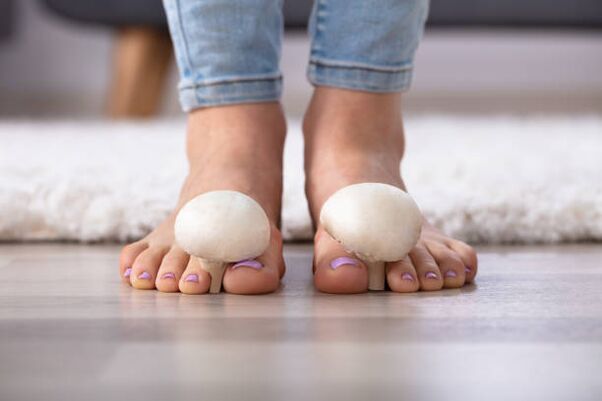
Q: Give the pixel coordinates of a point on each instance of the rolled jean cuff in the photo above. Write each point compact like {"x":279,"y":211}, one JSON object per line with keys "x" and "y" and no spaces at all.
{"x":221,"y":93}
{"x":359,"y":77}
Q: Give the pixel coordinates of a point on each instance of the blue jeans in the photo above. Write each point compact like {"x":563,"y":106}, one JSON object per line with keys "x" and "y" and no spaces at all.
{"x":228,"y":51}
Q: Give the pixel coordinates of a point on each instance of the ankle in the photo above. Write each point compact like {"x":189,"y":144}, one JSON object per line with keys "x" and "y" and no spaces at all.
{"x":244,"y":130}
{"x":356,"y":124}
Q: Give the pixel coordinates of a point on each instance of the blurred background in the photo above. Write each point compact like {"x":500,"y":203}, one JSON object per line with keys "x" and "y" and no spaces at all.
{"x":99,"y":58}
{"x":506,"y":103}
{"x":504,"y":150}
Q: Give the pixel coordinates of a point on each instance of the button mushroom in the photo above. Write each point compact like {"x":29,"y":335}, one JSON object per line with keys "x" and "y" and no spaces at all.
{"x":221,"y":227}
{"x":377,"y":222}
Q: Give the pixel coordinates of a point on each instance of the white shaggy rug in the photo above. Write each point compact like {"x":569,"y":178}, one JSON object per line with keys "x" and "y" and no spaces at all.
{"x":493,"y":179}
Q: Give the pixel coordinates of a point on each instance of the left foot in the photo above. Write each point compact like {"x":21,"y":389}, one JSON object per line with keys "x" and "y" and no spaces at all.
{"x":353,"y":137}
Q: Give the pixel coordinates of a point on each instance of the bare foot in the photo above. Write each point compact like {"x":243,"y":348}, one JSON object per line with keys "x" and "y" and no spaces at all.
{"x":231,"y":147}
{"x":353,"y":137}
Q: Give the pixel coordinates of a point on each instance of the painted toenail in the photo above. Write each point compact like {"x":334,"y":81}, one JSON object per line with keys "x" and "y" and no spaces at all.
{"x":144,"y":276}
{"x":168,"y":275}
{"x":407,"y":276}
{"x":127,"y":272}
{"x":467,"y":270}
{"x":253,"y":264}
{"x":344,"y":260}
{"x":451,"y":274}
{"x":430,"y":275}
{"x":192,"y":278}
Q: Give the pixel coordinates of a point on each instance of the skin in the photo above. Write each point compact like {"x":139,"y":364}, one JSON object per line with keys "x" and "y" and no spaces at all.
{"x":232,"y":147}
{"x":353,"y":137}
{"x":350,"y":137}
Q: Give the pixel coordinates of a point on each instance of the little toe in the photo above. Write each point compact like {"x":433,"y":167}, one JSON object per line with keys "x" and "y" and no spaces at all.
{"x":336,"y":271}
{"x":170,"y":271}
{"x":451,"y":266}
{"x":145,"y":267}
{"x":194,"y":280}
{"x":401,"y":276}
{"x":427,"y":269}
{"x":128,"y":255}
{"x":468,"y":256}
{"x":257,"y":276}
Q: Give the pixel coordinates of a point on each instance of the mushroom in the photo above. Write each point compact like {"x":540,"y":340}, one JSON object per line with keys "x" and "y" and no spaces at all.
{"x":221,"y":227}
{"x":377,"y":222}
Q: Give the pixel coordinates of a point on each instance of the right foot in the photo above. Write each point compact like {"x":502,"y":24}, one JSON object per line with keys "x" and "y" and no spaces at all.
{"x":229,"y":148}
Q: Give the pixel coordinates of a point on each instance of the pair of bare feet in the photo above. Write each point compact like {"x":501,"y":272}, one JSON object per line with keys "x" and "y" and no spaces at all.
{"x":350,"y":137}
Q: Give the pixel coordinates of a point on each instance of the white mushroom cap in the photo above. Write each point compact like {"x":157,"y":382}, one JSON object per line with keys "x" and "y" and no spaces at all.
{"x":377,"y":222}
{"x":225,"y":226}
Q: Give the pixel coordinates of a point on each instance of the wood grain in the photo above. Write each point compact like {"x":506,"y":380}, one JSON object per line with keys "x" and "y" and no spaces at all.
{"x":530,"y":329}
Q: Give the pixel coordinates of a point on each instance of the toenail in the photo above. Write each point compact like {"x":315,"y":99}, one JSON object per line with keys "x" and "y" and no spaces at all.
{"x":407,"y":276}
{"x":144,"y":276}
{"x":192,"y":278}
{"x":451,"y":274}
{"x":127,"y":272}
{"x":168,"y":275}
{"x":430,"y":275}
{"x":467,"y":270}
{"x":344,"y":260}
{"x":253,"y":264}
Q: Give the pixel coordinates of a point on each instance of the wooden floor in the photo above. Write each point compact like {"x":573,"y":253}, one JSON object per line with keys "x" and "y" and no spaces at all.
{"x":530,"y":329}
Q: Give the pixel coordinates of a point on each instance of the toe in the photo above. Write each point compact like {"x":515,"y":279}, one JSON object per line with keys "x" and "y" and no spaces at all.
{"x":128,"y":255}
{"x":257,"y":276}
{"x":145,"y":267}
{"x":194,"y":280}
{"x":427,"y":270}
{"x":170,"y":271}
{"x":450,"y":265}
{"x":401,"y":276}
{"x":468,"y":256}
{"x":337,"y":272}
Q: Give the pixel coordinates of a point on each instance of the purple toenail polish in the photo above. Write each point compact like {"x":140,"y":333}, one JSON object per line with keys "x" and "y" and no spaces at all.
{"x":451,"y":274}
{"x":343,"y":260}
{"x":467,"y":270}
{"x":192,"y":278}
{"x":253,"y":264}
{"x":430,"y":275}
{"x":407,"y":276}
{"x":168,"y":275}
{"x":144,"y":276}
{"x":127,"y":272}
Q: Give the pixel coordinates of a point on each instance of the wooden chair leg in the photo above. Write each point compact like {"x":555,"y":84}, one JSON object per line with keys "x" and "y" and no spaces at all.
{"x":140,"y":64}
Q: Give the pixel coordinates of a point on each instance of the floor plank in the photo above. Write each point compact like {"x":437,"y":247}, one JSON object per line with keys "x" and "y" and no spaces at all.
{"x":530,"y":328}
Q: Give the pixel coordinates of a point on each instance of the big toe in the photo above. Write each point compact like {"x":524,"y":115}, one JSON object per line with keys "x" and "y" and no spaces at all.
{"x":260,"y":275}
{"x":336,"y":271}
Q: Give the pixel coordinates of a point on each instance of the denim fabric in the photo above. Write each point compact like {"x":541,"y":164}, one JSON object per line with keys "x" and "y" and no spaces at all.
{"x":365,"y":45}
{"x":228,"y":51}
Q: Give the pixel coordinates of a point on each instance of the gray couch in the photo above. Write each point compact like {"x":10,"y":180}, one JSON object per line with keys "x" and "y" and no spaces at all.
{"x":516,"y":13}
{"x":6,"y":18}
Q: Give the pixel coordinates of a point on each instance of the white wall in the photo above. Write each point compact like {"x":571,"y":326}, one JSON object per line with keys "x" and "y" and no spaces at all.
{"x":55,"y":67}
